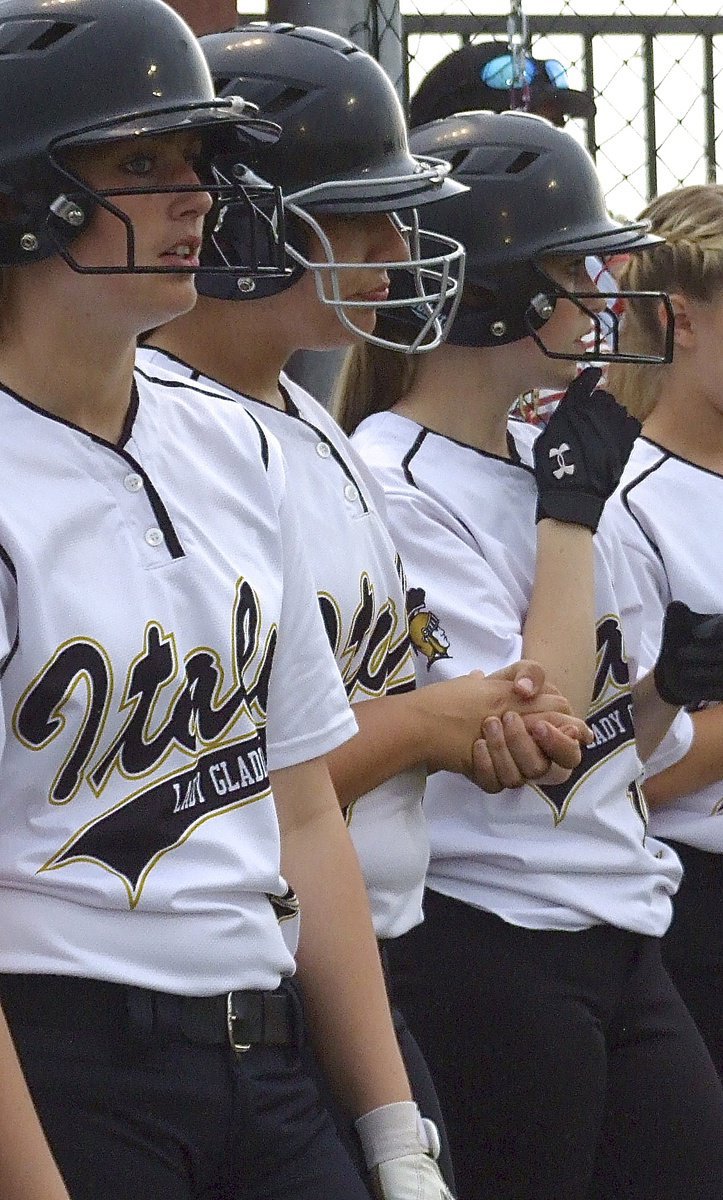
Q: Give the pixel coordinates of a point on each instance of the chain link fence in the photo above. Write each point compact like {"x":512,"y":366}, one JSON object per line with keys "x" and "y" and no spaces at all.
{"x":655,"y":68}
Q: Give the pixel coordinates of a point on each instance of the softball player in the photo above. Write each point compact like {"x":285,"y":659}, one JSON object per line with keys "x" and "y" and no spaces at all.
{"x":671,"y":493}
{"x":163,"y":664}
{"x":321,"y":160}
{"x":562,"y":1053}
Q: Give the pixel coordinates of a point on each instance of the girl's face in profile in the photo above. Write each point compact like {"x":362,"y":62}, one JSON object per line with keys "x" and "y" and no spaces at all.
{"x":569,"y":328}
{"x":164,"y":228}
{"x":367,"y":239}
{"x":160,"y":219}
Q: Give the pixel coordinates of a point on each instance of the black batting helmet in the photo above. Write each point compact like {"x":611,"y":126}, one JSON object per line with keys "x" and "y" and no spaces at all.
{"x":92,"y":72}
{"x":343,"y":149}
{"x":534,"y":193}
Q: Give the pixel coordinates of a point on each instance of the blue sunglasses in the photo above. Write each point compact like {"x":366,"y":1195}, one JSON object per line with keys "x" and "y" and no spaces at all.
{"x":500,"y":72}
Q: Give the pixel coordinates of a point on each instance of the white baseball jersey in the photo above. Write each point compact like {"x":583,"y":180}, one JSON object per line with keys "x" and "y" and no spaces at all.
{"x":668,"y":512}
{"x":550,"y":858}
{"x":357,"y":576}
{"x":159,"y":645}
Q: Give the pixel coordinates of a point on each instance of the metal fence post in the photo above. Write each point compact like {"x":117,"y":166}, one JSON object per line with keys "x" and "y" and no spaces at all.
{"x":386,"y":41}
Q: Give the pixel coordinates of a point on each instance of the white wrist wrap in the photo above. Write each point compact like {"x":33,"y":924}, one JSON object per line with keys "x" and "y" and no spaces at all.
{"x":395,"y":1130}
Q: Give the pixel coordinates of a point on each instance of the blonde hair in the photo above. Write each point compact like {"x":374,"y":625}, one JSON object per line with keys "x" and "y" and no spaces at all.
{"x":372,"y":380}
{"x":690,"y":261}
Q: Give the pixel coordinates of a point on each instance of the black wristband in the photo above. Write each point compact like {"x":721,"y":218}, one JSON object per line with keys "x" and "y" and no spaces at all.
{"x":574,"y":508}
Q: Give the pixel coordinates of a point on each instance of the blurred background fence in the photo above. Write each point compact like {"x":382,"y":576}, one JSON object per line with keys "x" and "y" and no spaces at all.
{"x":654,"y":67}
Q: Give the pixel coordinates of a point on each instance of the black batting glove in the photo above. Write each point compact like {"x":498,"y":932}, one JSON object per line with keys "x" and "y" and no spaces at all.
{"x":580,"y":456}
{"x":689,"y":669}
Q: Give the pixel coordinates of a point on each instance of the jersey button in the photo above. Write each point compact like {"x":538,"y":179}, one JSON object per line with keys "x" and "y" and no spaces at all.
{"x":323,"y":449}
{"x":351,"y":493}
{"x":154,"y":537}
{"x":133,"y":483}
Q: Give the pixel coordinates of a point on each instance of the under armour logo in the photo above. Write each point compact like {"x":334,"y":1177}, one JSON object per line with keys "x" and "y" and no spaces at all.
{"x":563,"y":468}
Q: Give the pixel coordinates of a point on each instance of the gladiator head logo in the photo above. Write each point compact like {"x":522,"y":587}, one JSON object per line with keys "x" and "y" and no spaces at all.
{"x":425,"y":632}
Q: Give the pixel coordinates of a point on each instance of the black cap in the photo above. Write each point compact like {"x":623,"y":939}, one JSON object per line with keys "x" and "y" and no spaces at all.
{"x":456,"y":85}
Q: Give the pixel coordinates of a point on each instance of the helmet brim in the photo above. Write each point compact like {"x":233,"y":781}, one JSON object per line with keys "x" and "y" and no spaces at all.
{"x":410,"y":182}
{"x":220,"y":114}
{"x":618,"y":239}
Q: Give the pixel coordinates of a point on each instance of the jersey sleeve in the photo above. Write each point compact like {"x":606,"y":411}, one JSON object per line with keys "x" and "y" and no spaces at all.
{"x":308,"y":712}
{"x":444,"y":605}
{"x":644,"y":596}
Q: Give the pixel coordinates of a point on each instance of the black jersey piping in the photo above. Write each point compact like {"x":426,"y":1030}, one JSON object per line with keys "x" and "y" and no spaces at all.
{"x":207,"y":391}
{"x":166,"y":354}
{"x":290,"y":410}
{"x":11,"y":653}
{"x":630,"y":487}
{"x":291,"y":407}
{"x":173,"y":544}
{"x":160,"y":512}
{"x":131,"y":414}
{"x":294,"y":413}
{"x":262,"y":438}
{"x":126,"y":431}
{"x":514,"y":460}
{"x":196,"y":376}
{"x":5,"y":557}
{"x":411,"y":453}
{"x":624,"y":499}
{"x":407,"y":469}
{"x":679,"y":458}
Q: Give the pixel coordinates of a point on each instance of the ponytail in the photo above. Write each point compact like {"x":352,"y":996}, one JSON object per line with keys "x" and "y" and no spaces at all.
{"x":372,"y":380}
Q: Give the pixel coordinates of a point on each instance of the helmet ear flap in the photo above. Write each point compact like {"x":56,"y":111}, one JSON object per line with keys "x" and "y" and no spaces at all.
{"x":505,"y":308}
{"x":237,"y":235}
{"x":18,"y":219}
{"x":44,"y":221}
{"x":298,"y":235}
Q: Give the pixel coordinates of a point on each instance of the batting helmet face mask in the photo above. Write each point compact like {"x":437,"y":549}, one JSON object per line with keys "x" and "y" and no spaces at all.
{"x":343,"y":150}
{"x":154,"y":81}
{"x":534,"y":196}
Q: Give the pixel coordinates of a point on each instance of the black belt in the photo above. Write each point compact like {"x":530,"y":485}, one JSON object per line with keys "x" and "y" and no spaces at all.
{"x":238,"y":1019}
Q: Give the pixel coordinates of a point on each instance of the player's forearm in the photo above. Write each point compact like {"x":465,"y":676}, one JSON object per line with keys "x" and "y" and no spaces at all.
{"x":559,"y":630}
{"x":345,"y":998}
{"x":651,"y":715}
{"x":700,"y":767}
{"x":27,"y":1169}
{"x":426,"y":729}
{"x":388,"y":743}
{"x":433,"y":728}
{"x":339,"y":971}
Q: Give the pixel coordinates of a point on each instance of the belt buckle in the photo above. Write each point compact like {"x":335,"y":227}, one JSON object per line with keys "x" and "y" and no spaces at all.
{"x":232,"y":1017}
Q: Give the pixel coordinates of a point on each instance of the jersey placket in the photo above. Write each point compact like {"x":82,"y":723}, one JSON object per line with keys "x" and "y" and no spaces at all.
{"x":144,"y":512}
